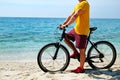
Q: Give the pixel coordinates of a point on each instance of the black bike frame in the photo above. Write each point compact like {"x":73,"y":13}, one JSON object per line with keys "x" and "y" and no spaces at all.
{"x":88,"y":40}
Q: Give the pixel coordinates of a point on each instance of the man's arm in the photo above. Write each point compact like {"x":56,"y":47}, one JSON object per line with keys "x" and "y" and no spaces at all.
{"x":72,"y":18}
{"x":66,"y":21}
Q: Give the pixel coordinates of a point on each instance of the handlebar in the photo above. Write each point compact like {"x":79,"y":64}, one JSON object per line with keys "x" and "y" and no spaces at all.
{"x":63,"y":32}
{"x":61,"y":28}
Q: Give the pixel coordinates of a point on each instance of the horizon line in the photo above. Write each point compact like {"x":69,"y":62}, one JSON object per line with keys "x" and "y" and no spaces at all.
{"x":52,"y":17}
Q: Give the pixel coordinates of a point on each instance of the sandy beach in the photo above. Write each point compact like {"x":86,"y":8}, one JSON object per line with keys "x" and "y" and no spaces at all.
{"x":17,"y":70}
{"x":22,"y":37}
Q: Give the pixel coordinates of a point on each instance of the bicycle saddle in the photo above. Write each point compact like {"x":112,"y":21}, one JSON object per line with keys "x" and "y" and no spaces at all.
{"x":93,"y":28}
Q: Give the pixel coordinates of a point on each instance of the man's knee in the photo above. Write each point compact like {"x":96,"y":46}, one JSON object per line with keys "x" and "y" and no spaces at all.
{"x":82,"y":51}
{"x":65,"y":40}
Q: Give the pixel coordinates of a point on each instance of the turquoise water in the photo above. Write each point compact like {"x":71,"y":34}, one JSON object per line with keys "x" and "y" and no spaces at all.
{"x":22,"y":38}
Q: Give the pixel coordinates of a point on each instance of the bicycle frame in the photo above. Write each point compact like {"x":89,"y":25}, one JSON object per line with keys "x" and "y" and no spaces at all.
{"x":88,"y":40}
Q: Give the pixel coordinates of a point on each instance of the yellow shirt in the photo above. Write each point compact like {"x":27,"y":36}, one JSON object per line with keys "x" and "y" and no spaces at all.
{"x":82,"y":21}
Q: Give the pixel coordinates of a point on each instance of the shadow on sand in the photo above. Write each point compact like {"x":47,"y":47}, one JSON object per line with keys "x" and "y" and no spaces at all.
{"x":107,"y":72}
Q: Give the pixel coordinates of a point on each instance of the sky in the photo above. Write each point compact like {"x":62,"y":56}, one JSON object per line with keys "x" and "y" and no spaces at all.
{"x":57,"y":8}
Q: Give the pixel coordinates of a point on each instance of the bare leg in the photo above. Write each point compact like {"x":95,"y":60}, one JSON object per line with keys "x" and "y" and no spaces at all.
{"x":82,"y":58}
{"x":70,"y":44}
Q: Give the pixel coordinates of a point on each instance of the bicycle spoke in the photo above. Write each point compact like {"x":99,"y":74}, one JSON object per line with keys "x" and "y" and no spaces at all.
{"x":50,"y":55}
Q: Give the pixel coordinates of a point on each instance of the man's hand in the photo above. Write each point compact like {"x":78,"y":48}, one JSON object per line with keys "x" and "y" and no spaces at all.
{"x":62,"y":26}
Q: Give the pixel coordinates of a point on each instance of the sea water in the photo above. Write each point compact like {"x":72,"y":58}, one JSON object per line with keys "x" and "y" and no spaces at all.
{"x":21,"y":38}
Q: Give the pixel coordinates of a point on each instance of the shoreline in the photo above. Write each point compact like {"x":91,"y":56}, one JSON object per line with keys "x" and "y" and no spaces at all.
{"x":50,"y":17}
{"x":27,"y":70}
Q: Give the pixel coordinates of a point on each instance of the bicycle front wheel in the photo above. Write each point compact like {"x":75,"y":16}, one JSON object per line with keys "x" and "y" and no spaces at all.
{"x":104,"y":57}
{"x":46,"y":61}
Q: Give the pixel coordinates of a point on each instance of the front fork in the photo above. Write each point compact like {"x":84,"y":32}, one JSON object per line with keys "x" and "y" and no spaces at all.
{"x":57,"y":49}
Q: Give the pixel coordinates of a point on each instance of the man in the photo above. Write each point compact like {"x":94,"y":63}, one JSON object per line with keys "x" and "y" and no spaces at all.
{"x":79,"y":33}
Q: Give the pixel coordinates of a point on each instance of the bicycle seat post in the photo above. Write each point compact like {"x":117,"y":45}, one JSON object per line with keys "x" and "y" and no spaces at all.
{"x":89,"y":35}
{"x":91,"y":31}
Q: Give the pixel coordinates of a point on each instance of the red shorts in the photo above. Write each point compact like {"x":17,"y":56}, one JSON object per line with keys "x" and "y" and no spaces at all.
{"x":81,"y":40}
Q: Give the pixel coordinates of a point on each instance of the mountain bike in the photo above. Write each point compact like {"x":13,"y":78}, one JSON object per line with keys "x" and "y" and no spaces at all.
{"x":55,"y":56}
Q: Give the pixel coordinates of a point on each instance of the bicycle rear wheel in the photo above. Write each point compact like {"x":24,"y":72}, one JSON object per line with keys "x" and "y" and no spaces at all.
{"x":46,"y":61}
{"x":104,"y":59}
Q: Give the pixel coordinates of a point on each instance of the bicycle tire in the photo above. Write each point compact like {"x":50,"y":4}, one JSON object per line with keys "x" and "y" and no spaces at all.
{"x":49,"y":50}
{"x":106,"y":47}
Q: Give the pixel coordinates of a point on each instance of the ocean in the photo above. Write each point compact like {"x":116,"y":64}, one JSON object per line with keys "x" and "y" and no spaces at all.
{"x":21,"y":38}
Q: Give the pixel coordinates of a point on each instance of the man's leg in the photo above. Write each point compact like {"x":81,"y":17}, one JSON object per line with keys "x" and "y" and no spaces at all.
{"x":81,"y":44}
{"x":80,"y":69}
{"x":82,"y":49}
{"x":70,"y":44}
{"x":82,"y":58}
